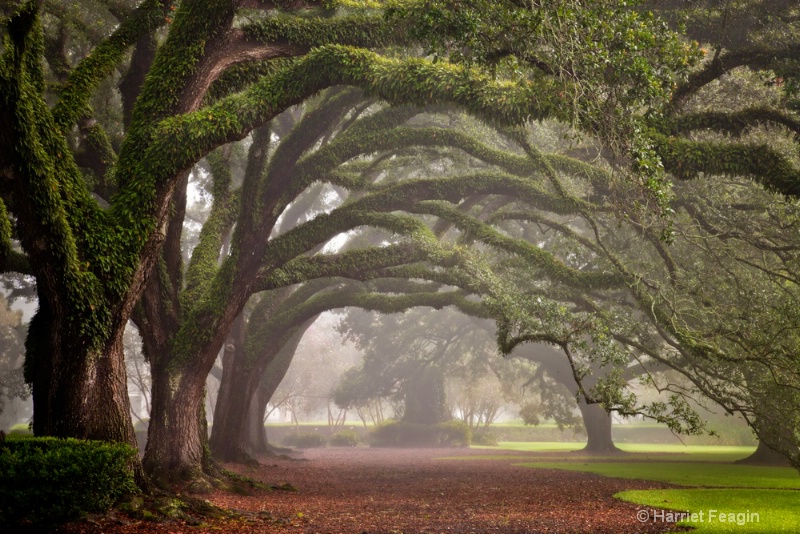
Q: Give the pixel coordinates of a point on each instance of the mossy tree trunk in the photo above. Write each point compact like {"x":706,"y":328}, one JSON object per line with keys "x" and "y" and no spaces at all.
{"x":232,"y":403}
{"x":263,"y":360}
{"x":257,"y":438}
{"x":85,"y":287}
{"x":79,"y":396}
{"x":177,"y":440}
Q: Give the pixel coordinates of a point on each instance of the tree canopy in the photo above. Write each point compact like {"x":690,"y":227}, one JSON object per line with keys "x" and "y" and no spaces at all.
{"x":659,"y":231}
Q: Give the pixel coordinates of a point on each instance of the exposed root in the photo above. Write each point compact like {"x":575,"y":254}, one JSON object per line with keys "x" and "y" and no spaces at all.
{"x":165,"y":507}
{"x":277,"y":451}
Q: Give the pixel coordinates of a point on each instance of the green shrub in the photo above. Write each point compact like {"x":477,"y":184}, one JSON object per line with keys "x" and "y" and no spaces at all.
{"x":455,"y":434}
{"x":345,"y":438}
{"x":305,"y":440}
{"x":484,"y":436}
{"x":401,"y":434}
{"x":49,"y":480}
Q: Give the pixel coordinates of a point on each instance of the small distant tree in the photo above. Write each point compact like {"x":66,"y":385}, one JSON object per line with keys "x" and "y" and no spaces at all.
{"x":412,"y":357}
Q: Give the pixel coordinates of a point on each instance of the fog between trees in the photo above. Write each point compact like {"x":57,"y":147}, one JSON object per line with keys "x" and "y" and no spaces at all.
{"x":612,"y":200}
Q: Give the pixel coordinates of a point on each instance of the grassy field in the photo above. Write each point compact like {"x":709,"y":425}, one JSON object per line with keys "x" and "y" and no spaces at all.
{"x":727,"y":511}
{"x":645,"y":451}
{"x":722,"y":497}
{"x":533,"y":446}
{"x":687,"y":473}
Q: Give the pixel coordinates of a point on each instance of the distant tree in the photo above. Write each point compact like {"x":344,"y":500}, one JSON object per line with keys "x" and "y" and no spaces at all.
{"x":412,"y":356}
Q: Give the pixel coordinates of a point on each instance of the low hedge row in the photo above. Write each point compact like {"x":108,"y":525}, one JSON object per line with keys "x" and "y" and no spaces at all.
{"x":305,"y":440}
{"x":315,"y":439}
{"x":401,"y":434}
{"x":345,"y":438}
{"x":48,"y":480}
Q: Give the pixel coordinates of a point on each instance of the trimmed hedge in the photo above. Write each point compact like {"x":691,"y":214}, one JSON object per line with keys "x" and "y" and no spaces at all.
{"x":401,"y":434}
{"x":346,"y":438}
{"x":48,"y":480}
{"x":305,"y":440}
{"x":484,"y":436}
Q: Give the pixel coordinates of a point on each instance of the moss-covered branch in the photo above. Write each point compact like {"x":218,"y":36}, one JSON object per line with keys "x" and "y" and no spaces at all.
{"x":276,"y":190}
{"x":735,"y":122}
{"x":372,"y":210}
{"x":757,"y":58}
{"x":102,"y":61}
{"x":225,"y":208}
{"x":48,"y":196}
{"x":358,"y":264}
{"x":554,"y":269}
{"x":362,"y":30}
{"x":180,"y":141}
{"x":687,"y":159}
{"x":453,"y":276}
{"x":362,"y":298}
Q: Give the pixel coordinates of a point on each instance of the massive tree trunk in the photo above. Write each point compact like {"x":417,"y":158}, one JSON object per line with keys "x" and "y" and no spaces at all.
{"x":596,"y":420}
{"x":176,"y":450}
{"x":270,"y":380}
{"x":256,"y":438}
{"x":232,"y":384}
{"x":598,"y":429}
{"x":76,"y":394}
{"x":241,"y":378}
{"x":765,"y":455}
{"x":177,"y":435}
{"x":233,"y":400}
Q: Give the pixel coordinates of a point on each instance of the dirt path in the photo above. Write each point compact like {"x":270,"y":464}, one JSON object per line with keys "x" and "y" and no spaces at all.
{"x":399,"y":490}
{"x":413,"y":491}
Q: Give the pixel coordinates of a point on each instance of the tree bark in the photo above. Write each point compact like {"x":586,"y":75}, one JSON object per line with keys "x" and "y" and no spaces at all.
{"x":256,"y":433}
{"x":88,"y":397}
{"x":598,"y":429}
{"x":765,"y":455}
{"x":233,"y":421}
{"x":177,"y":435}
{"x":232,"y":400}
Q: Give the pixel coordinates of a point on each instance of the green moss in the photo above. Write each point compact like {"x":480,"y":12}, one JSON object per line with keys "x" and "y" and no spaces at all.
{"x":56,"y":203}
{"x":688,"y":159}
{"x":224,"y":210}
{"x":363,"y":30}
{"x":182,"y":140}
{"x":101,"y":62}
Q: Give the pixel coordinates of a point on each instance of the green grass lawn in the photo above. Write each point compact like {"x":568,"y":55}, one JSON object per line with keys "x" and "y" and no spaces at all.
{"x":687,"y":473}
{"x":533,"y":446}
{"x":756,"y":511}
{"x":647,"y":451}
{"x":765,"y":499}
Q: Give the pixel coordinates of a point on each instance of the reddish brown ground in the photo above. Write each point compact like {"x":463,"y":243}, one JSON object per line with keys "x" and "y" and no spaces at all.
{"x":405,"y":491}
